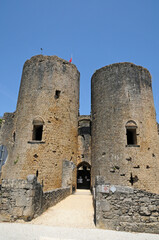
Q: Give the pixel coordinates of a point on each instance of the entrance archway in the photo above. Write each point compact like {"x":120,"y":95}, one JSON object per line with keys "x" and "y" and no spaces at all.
{"x":83,"y":175}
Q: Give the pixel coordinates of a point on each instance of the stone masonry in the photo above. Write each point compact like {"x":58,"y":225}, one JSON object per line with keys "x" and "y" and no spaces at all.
{"x":125,"y":208}
{"x":25,"y":199}
{"x":7,"y":131}
{"x":84,"y":139}
{"x":118,"y":144}
{"x":48,"y":96}
{"x":67,"y":174}
{"x":125,"y":141}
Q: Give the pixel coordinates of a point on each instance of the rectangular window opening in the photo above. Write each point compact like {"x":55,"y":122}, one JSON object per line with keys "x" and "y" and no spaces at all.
{"x":57,"y":94}
{"x":37,"y":132}
{"x":131,"y":136}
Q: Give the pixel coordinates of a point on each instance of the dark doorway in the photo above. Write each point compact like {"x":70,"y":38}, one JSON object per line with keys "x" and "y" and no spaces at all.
{"x":83,"y":176}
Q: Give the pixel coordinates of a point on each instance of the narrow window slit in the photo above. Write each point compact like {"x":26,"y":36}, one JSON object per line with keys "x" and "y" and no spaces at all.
{"x":14,"y":136}
{"x":57,"y":94}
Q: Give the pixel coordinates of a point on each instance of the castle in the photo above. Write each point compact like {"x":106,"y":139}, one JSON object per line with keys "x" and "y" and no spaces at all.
{"x":45,"y":136}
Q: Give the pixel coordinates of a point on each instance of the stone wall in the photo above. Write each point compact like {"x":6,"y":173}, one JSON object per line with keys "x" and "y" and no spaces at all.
{"x":50,"y":198}
{"x":7,"y":137}
{"x":17,"y":199}
{"x":67,"y":173}
{"x":84,"y":139}
{"x":122,"y":102}
{"x":125,"y":208}
{"x":49,"y":93}
{"x":25,"y":199}
{"x":7,"y":130}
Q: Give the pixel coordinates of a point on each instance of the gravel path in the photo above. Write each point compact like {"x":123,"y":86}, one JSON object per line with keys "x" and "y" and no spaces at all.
{"x":76,"y":211}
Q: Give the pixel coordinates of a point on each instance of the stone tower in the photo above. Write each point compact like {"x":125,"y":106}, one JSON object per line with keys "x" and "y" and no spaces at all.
{"x":45,"y":126}
{"x":125,"y":141}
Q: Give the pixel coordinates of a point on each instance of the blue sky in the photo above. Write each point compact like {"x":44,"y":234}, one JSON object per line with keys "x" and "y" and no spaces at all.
{"x":95,"y":32}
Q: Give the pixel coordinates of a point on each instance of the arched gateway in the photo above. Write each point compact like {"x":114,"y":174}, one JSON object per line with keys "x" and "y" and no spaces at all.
{"x":83,"y":175}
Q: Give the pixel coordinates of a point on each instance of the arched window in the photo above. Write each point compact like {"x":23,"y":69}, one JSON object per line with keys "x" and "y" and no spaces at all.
{"x":37,"y":129}
{"x":131,"y":127}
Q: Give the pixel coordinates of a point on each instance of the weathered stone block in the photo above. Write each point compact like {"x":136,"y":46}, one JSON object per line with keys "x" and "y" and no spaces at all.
{"x":105,"y":206}
{"x":31,"y":178}
{"x":17,"y":212}
{"x":144,"y":211}
{"x":152,"y":208}
{"x":125,"y":219}
{"x":28,"y":212}
{"x":155,"y":214}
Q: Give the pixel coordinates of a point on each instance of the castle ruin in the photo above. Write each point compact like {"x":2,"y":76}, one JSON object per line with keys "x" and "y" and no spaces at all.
{"x":118,"y":145}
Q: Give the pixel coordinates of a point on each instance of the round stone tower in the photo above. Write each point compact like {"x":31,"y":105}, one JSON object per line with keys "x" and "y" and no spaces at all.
{"x":125,"y":141}
{"x":46,"y":121}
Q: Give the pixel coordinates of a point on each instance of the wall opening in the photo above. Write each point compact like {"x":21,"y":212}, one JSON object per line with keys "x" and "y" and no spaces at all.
{"x":132,"y":179}
{"x":37,"y":132}
{"x":57,"y":94}
{"x":131,"y":136}
{"x":131,"y":128}
{"x":14,"y":136}
{"x":83,"y":175}
{"x":37,"y":129}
